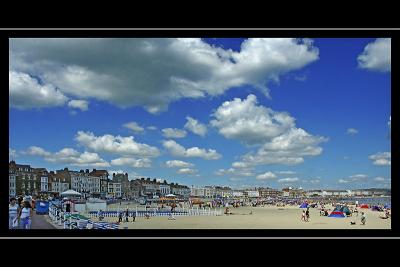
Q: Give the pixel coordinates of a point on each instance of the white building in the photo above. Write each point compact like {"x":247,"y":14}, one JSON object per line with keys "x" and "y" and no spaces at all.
{"x":44,"y":183}
{"x":85,"y":184}
{"x":236,"y":193}
{"x":12,"y":190}
{"x":114,"y":190}
{"x":253,"y":193}
{"x":197,"y":191}
{"x":165,"y":189}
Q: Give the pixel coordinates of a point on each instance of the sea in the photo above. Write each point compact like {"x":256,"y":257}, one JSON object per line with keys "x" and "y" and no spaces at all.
{"x":370,"y":201}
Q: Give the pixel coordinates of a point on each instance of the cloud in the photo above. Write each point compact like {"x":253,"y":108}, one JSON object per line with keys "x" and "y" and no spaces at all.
{"x":134,"y":126}
{"x":352,"y":131}
{"x":132,"y":162}
{"x":356,"y":178}
{"x":36,"y":151}
{"x":248,"y":122}
{"x":390,"y":122}
{"x":195,"y":126}
{"x":237,"y":172}
{"x":381,"y":158}
{"x":186,"y":171}
{"x":178,"y":164}
{"x":252,"y":124}
{"x":152,"y":128}
{"x":168,"y":68}
{"x":68,"y":156}
{"x":173,"y":133}
{"x":288,"y":180}
{"x":177,"y":150}
{"x":266,"y":176}
{"x":119,"y":145}
{"x":26,"y":92}
{"x":289,"y":148}
{"x":376,"y":56}
{"x":12,"y":153}
{"x":83,"y":105}
{"x":379,"y":179}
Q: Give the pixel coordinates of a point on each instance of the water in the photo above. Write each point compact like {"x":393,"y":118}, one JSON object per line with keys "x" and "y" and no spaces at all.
{"x":370,"y":201}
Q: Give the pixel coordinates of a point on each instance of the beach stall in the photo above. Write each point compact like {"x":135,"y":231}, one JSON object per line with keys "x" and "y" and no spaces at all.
{"x":337,"y":214}
{"x":364,"y":206}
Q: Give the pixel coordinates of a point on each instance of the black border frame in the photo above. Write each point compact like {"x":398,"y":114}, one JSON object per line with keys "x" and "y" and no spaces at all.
{"x":207,"y":32}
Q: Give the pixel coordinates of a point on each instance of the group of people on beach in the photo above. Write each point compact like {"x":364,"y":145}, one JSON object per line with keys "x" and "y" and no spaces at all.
{"x":305,"y":216}
{"x":20,"y":213}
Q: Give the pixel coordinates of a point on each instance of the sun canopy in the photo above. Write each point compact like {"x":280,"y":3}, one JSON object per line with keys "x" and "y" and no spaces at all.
{"x":70,"y":193}
{"x":304,"y":205}
{"x":170,"y":195}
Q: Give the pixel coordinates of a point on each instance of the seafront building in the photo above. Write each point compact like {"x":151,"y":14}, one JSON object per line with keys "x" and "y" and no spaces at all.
{"x":26,"y":180}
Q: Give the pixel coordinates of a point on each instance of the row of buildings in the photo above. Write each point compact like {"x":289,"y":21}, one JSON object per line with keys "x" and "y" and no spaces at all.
{"x":26,"y":180}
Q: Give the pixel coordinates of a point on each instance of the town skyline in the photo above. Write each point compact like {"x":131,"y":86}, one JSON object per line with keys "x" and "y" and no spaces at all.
{"x":222,"y":111}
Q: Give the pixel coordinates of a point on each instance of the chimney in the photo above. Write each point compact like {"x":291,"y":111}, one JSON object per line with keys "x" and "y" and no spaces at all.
{"x":113,"y":175}
{"x":66,"y":169}
{"x":87,"y":170}
{"x":94,"y":170}
{"x":81,"y":171}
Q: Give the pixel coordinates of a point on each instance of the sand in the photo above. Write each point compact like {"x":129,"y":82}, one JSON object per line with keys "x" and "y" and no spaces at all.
{"x":268,"y":217}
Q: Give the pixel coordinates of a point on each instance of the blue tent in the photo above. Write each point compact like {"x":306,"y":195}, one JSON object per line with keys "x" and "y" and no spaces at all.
{"x":303,"y":206}
{"x":337,"y":214}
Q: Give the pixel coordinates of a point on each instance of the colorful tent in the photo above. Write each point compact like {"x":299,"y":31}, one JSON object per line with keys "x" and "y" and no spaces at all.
{"x":345,"y":210}
{"x":376,"y":208}
{"x":303,"y":206}
{"x":364,"y":206}
{"x":337,"y":214}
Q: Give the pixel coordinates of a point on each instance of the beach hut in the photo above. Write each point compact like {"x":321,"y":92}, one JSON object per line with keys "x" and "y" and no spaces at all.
{"x":364,"y":206}
{"x":304,"y":205}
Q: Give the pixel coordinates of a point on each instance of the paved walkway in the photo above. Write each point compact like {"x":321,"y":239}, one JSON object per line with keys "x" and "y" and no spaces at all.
{"x":40,"y":222}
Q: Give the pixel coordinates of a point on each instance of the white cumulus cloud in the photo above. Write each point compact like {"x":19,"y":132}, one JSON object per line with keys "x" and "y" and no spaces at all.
{"x":288,"y":180}
{"x":134,"y":126}
{"x":83,"y":105}
{"x":266,"y":176}
{"x":178,"y":164}
{"x":108,"y":143}
{"x":195,"y":126}
{"x":381,"y":158}
{"x":177,"y":150}
{"x":173,"y":133}
{"x":132,"y":162}
{"x":186,"y":171}
{"x":26,"y":92}
{"x":167,"y":68}
{"x":376,"y":56}
{"x":352,"y":131}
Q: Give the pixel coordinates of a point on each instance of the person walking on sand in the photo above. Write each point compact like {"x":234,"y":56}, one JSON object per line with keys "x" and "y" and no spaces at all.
{"x":133,"y":216}
{"x":303,"y":216}
{"x":13,"y":210}
{"x":363,"y":218}
{"x":120,"y":217}
{"x":127,"y":215}
{"x":308,"y":214}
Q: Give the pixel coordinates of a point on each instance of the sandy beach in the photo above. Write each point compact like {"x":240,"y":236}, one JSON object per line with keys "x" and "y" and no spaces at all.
{"x":267,"y":217}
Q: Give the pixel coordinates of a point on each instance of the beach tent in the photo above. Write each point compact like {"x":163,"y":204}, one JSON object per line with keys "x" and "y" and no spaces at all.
{"x":345,"y":210}
{"x":387,"y":206}
{"x":303,"y":206}
{"x":376,"y":208}
{"x":337,"y":214}
{"x":364,"y":206}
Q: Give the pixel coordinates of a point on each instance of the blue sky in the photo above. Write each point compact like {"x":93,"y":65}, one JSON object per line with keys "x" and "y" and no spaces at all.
{"x":303,"y":95}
